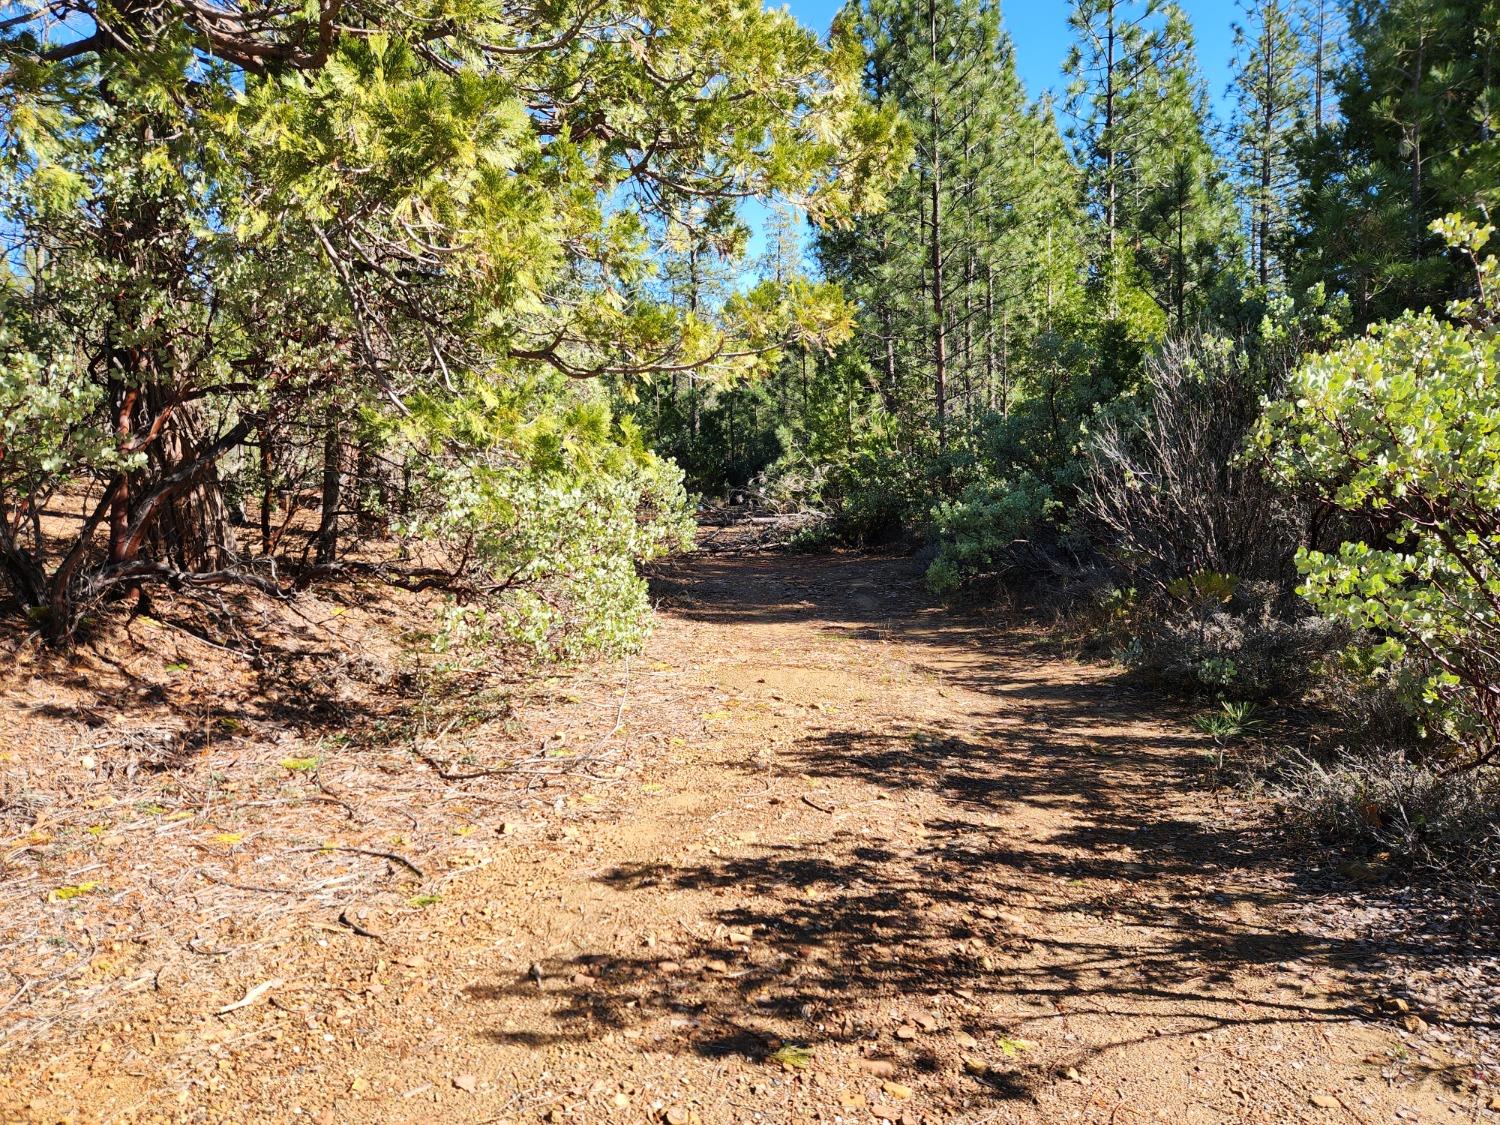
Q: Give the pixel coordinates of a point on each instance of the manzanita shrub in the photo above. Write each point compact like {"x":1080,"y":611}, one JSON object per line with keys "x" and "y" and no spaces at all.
{"x":1402,"y":427}
{"x":543,"y":509}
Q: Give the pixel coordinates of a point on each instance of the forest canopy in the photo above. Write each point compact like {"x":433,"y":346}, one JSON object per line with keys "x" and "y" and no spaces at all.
{"x":250,"y":245}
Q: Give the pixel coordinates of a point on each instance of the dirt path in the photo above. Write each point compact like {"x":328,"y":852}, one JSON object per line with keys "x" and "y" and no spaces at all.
{"x":968,"y":879}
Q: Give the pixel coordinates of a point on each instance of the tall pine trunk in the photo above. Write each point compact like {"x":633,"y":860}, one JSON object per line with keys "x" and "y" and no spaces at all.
{"x":939,"y":327}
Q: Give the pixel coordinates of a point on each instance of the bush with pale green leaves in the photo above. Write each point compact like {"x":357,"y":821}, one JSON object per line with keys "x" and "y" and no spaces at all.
{"x":1401,"y":428}
{"x":545,"y":508}
{"x":50,"y":430}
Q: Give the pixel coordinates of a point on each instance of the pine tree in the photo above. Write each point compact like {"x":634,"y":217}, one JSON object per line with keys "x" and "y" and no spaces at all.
{"x":1115,"y":43}
{"x":1270,"y":80}
{"x":1152,"y":181}
{"x":1417,"y":139}
{"x":929,"y":303}
{"x":1035,"y":263}
{"x":1186,"y":244}
{"x":1323,"y":28}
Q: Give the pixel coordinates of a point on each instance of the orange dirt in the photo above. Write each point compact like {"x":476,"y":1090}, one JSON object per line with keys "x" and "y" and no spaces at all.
{"x":863,"y":861}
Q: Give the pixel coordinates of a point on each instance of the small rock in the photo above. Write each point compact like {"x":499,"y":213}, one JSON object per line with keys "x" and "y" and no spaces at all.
{"x":880,"y":1068}
{"x":897,"y":1090}
{"x":1326,"y":1101}
{"x":466,"y":1082}
{"x":906,"y":1031}
{"x":885,"y":1112}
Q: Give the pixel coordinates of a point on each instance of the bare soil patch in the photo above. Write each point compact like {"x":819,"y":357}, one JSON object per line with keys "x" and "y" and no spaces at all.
{"x":824,"y":853}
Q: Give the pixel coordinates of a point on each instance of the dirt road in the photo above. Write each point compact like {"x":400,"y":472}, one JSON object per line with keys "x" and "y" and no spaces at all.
{"x":878,"y":864}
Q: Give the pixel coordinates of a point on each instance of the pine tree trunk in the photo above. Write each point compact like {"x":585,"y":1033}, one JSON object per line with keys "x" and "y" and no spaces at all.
{"x":1268,"y":141}
{"x":1318,"y":64}
{"x":1416,"y":137}
{"x":939,"y":328}
{"x":1111,"y":219}
{"x":989,"y":337}
{"x":889,"y":340}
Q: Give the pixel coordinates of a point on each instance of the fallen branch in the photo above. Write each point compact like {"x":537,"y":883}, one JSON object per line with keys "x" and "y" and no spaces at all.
{"x":345,"y":920}
{"x":251,"y":997}
{"x":392,"y":856}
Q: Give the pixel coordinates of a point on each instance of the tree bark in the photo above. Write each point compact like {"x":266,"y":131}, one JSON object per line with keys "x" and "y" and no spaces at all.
{"x":333,"y":478}
{"x":192,"y":527}
{"x":939,"y":327}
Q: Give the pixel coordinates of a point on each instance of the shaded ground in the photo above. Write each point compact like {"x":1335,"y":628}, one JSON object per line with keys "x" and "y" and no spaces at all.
{"x":870,"y":862}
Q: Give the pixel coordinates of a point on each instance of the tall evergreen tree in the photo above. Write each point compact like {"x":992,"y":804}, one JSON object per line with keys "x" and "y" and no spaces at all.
{"x":1141,"y":135}
{"x":1185,"y":221}
{"x":1270,"y":80}
{"x":1418,"y":98}
{"x":1110,"y":63}
{"x":930,"y":303}
{"x":1323,"y":27}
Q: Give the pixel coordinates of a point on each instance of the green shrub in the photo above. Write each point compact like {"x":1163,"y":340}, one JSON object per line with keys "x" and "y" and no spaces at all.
{"x":975,"y":531}
{"x":545,"y":518}
{"x":1402,"y":428}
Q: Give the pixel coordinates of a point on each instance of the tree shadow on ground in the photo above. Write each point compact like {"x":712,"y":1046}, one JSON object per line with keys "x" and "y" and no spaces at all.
{"x":1137,"y":905}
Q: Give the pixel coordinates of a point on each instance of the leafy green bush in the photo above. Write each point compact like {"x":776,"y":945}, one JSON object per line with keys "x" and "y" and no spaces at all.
{"x":869,"y":487}
{"x":1402,"y":427}
{"x":976,"y":530}
{"x":547,"y":519}
{"x":51,"y":429}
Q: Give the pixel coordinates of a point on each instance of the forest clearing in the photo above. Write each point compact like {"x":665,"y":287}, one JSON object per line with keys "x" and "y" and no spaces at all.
{"x":696,"y":561}
{"x":820,"y":815}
